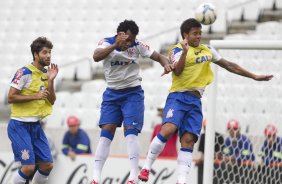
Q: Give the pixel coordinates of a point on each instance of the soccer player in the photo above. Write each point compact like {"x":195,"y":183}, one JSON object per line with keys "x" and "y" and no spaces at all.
{"x":183,"y":109}
{"x":123,"y":100}
{"x":32,"y":96}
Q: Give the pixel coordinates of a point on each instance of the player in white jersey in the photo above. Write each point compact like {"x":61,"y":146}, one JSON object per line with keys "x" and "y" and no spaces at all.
{"x":123,"y":100}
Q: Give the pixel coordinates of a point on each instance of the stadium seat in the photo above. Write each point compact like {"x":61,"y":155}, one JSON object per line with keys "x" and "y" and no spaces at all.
{"x":90,"y":118}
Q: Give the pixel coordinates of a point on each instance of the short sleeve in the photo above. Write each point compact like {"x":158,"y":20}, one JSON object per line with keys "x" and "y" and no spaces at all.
{"x":215,"y":55}
{"x":144,"y":49}
{"x":19,"y":79}
{"x":103,"y":44}
{"x":175,"y":55}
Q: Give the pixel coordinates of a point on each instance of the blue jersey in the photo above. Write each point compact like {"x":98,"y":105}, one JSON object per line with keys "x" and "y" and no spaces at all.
{"x":272,"y":153}
{"x":79,"y":143}
{"x":240,"y":148}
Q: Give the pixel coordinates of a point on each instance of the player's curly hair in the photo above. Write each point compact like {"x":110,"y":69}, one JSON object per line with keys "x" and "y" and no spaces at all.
{"x":128,"y":25}
{"x":38,"y":44}
{"x":187,"y":25}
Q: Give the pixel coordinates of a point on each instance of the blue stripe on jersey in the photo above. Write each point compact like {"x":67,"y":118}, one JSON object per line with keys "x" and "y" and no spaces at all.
{"x":176,"y":50}
{"x":21,"y":72}
{"x":110,"y":40}
{"x":26,"y":71}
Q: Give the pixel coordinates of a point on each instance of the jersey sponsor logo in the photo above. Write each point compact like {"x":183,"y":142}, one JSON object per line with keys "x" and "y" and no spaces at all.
{"x":196,"y":53}
{"x":134,"y":123}
{"x":18,"y":76}
{"x":42,"y":79}
{"x":202,"y":59}
{"x":25,"y":154}
{"x":122,"y":63}
{"x":169,"y":113}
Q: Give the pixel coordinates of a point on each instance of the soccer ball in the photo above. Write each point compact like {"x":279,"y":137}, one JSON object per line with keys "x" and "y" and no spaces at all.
{"x":206,"y":13}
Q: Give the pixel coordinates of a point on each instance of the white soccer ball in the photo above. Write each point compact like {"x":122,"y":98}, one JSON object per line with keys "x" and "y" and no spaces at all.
{"x":206,"y":13}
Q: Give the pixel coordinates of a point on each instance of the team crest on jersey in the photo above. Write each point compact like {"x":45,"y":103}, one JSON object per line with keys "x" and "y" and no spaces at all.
{"x":25,"y":154}
{"x":130,"y":52}
{"x":169,"y":113}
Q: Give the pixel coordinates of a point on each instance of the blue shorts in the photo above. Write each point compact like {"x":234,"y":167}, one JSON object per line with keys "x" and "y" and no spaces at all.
{"x":185,"y":111}
{"x":124,"y":106}
{"x":29,"y":142}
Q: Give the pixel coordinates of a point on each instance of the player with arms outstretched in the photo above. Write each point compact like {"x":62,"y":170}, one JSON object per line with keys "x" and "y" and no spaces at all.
{"x":123,"y":100}
{"x":183,"y":109}
{"x":32,"y":95}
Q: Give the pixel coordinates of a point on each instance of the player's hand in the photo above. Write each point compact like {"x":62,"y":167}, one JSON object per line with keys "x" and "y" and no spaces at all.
{"x":185,"y":45}
{"x":42,"y":95}
{"x":263,"y":77}
{"x":52,"y":71}
{"x":168,"y":68}
{"x":72,"y":155}
{"x":120,"y":39}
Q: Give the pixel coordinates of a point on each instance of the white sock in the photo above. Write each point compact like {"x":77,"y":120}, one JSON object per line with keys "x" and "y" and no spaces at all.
{"x":184,"y":161}
{"x":101,"y":155}
{"x":156,"y":147}
{"x":20,"y":178}
{"x":133,"y":155}
{"x":40,"y":178}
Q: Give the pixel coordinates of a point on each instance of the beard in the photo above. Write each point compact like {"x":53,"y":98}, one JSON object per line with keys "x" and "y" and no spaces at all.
{"x":43,"y":63}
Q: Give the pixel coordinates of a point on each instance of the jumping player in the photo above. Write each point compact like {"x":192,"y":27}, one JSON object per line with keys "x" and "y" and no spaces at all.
{"x":123,"y":100}
{"x":183,"y":109}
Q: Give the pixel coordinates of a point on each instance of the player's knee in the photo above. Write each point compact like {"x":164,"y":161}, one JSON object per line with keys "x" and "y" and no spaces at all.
{"x":28,"y":169}
{"x":46,"y":167}
{"x":188,"y":140}
{"x":167,"y":130}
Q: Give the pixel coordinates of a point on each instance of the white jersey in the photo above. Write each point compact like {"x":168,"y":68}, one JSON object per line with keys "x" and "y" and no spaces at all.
{"x":122,"y":67}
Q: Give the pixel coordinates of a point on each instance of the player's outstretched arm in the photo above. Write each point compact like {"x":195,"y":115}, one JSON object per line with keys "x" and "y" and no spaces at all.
{"x":235,"y":68}
{"x":163,"y":61}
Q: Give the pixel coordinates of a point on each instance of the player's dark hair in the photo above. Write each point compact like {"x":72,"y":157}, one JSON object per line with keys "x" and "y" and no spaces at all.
{"x":187,"y":25}
{"x":38,"y":44}
{"x":128,"y":25}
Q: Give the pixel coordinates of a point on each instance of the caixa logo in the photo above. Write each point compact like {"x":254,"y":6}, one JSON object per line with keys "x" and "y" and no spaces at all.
{"x":78,"y":176}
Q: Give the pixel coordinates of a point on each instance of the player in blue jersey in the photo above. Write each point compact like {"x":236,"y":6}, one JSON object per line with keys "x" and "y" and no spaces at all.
{"x":123,"y":100}
{"x":183,"y":109}
{"x":32,"y":95}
